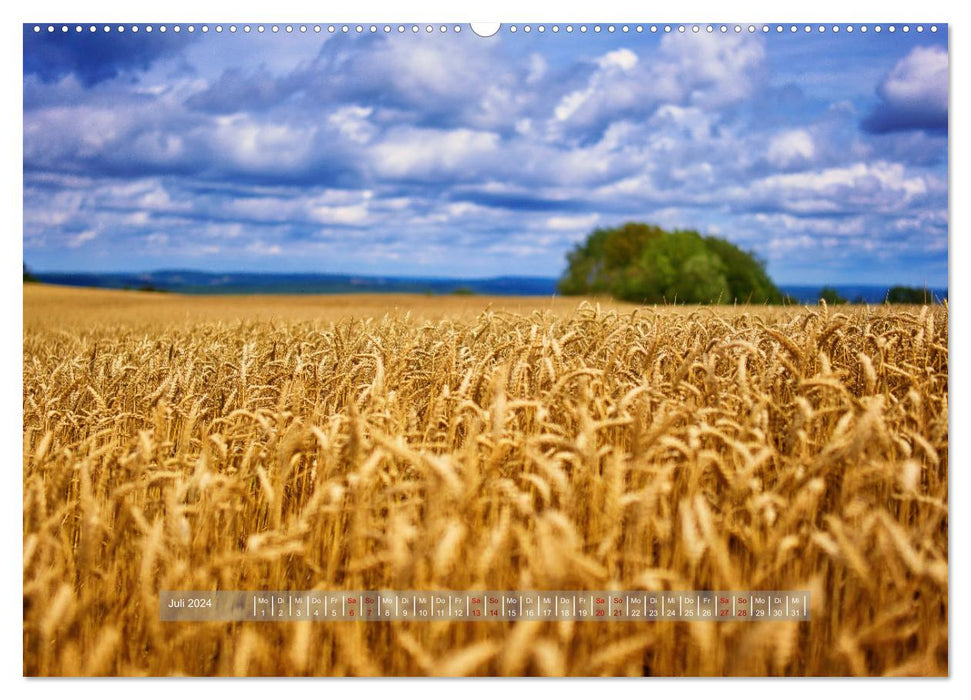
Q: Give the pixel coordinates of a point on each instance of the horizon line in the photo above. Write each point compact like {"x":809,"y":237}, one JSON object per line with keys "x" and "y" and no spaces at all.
{"x":414,"y":276}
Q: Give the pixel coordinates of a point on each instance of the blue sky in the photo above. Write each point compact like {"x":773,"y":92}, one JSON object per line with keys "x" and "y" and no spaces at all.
{"x":456,"y":155}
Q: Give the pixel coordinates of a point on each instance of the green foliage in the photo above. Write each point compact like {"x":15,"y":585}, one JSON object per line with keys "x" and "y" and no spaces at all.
{"x":463,"y":292}
{"x":745,"y":274}
{"x":602,"y":264}
{"x":28,"y":275}
{"x":643,"y":263}
{"x":831,"y":296}
{"x":909,"y":295}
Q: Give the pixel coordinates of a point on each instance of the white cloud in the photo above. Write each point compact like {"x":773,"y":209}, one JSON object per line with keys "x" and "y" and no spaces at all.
{"x":157,"y":240}
{"x":80,"y":239}
{"x":709,"y":70}
{"x":409,"y":151}
{"x":260,"y":248}
{"x":537,"y":68}
{"x":571,"y":102}
{"x":340,"y":215}
{"x":352,"y":123}
{"x":842,"y":226}
{"x":889,"y":175}
{"x":264,"y":146}
{"x":688,"y":70}
{"x":879,"y":186}
{"x":791,"y":147}
{"x":914,"y":95}
{"x":572,"y":223}
{"x":625,"y":59}
{"x":693,"y":121}
{"x":919,"y":78}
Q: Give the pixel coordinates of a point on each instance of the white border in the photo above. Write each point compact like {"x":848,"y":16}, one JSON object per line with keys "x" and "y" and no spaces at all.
{"x":521,"y":11}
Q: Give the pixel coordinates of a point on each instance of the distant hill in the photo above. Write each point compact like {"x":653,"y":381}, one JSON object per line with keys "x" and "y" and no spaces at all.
{"x":196,"y":282}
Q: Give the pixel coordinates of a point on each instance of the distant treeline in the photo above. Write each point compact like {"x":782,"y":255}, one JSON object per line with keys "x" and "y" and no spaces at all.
{"x":895,"y":295}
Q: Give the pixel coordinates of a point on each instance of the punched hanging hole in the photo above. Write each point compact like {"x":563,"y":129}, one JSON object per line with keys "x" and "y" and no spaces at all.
{"x":484,"y":29}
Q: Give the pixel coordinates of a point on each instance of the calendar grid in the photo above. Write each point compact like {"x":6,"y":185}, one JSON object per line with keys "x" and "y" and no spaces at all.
{"x":380,"y":606}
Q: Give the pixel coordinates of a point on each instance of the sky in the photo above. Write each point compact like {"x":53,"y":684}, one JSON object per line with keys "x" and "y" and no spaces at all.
{"x":453,"y":155}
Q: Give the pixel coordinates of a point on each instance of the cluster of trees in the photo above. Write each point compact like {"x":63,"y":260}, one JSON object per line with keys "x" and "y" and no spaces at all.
{"x":644,"y":263}
{"x":832,"y":297}
{"x":910,"y":295}
{"x":143,"y":288}
{"x":895,"y":295}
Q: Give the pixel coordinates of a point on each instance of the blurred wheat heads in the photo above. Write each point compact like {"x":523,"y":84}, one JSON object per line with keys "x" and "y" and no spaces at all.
{"x":660,"y":449}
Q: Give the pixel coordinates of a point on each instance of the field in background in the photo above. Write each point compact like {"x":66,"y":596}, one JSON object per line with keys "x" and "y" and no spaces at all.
{"x":473,"y":443}
{"x":76,"y":307}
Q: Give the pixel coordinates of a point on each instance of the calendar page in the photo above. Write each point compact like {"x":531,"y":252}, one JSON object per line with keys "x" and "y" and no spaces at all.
{"x":512,"y":349}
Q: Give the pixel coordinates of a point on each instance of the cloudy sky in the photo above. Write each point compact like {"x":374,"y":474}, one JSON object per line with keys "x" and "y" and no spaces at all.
{"x":455,"y":155}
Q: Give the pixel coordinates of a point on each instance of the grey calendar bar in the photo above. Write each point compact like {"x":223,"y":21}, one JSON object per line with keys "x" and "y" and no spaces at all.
{"x":482,"y":606}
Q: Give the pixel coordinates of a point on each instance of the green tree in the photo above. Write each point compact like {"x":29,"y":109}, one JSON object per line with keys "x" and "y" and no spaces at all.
{"x":28,"y":275}
{"x":745,"y":274}
{"x":676,"y":267}
{"x":602,"y":262}
{"x":831,"y":296}
{"x":643,"y":263}
{"x":909,"y":295}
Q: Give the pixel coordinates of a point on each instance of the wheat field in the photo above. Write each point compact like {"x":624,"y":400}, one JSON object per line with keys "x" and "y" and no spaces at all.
{"x":444,"y":443}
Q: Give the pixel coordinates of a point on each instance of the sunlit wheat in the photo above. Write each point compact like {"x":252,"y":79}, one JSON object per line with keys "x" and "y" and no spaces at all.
{"x":598,"y":448}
